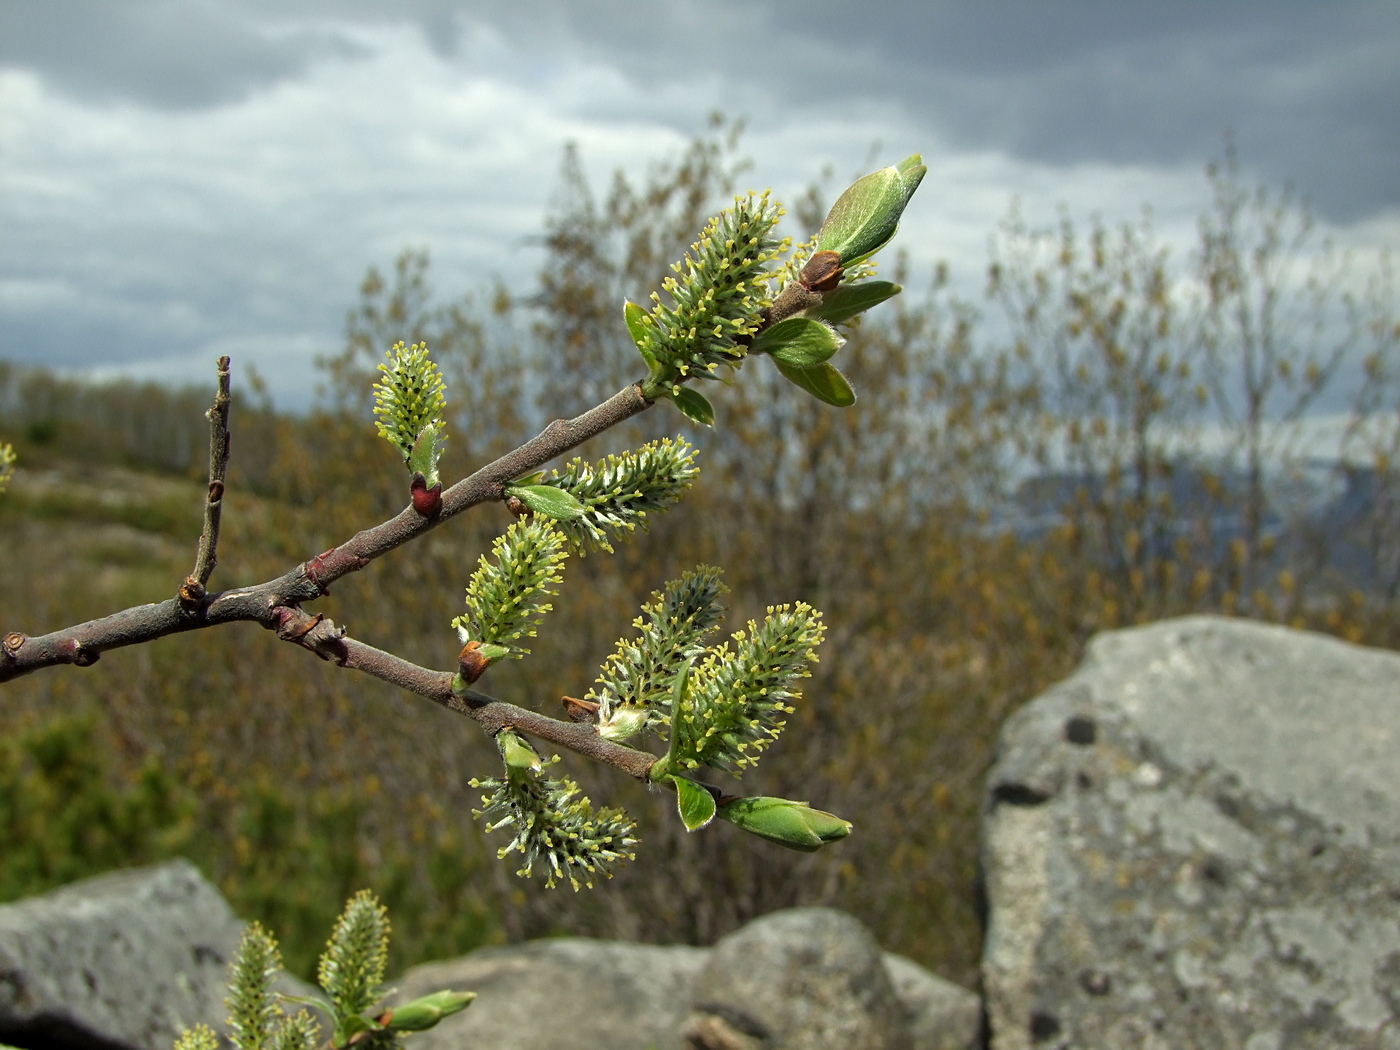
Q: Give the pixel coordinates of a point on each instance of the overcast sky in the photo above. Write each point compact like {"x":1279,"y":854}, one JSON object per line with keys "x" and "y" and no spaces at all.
{"x":186,"y":178}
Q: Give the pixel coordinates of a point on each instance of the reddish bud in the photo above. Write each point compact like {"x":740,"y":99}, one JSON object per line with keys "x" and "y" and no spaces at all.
{"x":516,"y":506}
{"x":471,"y":662}
{"x":426,"y":501}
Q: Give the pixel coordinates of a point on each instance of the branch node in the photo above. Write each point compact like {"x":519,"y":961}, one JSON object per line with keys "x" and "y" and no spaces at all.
{"x":192,"y":594}
{"x":82,"y":655}
{"x":12,"y":643}
{"x":426,"y":501}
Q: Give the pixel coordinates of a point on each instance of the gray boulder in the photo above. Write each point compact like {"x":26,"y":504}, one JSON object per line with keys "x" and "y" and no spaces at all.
{"x":802,"y":979}
{"x":942,"y":1015}
{"x":810,"y":977}
{"x":572,"y":992}
{"x":124,"y":961}
{"x":1195,"y":842}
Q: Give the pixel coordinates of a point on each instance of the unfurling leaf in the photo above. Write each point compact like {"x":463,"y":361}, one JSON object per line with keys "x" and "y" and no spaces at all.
{"x":518,"y":754}
{"x":637,"y":325}
{"x":427,"y":450}
{"x":824,"y":382}
{"x":864,"y":218}
{"x":695,"y":803}
{"x":848,"y":300}
{"x":694,"y":405}
{"x":549,"y":500}
{"x":798,"y":342}
{"x":422,"y":1014}
{"x":795,"y":825}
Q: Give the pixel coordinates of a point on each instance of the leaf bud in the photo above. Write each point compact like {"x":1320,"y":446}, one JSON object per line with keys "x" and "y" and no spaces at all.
{"x":795,"y":825}
{"x":624,"y":724}
{"x":864,"y":218}
{"x":422,"y":1014}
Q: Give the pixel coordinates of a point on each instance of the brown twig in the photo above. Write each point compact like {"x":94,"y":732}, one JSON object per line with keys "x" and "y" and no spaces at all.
{"x":331,"y":643}
{"x":192,"y":592}
{"x":264,"y":603}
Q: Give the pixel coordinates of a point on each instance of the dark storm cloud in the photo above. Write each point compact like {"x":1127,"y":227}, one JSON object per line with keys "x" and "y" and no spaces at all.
{"x":167,"y":54}
{"x":1309,"y":92}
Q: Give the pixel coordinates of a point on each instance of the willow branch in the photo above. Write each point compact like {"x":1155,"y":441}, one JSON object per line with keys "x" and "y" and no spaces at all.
{"x":331,"y":643}
{"x":82,"y":644}
{"x":192,"y":592}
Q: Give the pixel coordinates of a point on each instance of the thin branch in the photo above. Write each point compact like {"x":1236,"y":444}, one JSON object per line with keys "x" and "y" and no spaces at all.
{"x":192,"y":592}
{"x":330,"y":642}
{"x":84,"y":643}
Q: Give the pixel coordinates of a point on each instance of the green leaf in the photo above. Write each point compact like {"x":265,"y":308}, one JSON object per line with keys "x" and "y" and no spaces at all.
{"x":695,"y":405}
{"x":864,"y":218}
{"x":823,"y":382}
{"x":424,"y":1013}
{"x":349,"y":1026}
{"x":636,"y":318}
{"x":494,"y":652}
{"x":695,"y":803}
{"x":795,"y":825}
{"x":847,"y":300}
{"x":427,"y":450}
{"x":549,"y":500}
{"x":517,"y":753}
{"x":799,"y":342}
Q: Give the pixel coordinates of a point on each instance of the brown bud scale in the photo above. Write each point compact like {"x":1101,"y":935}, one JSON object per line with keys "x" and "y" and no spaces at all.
{"x":471,"y":662}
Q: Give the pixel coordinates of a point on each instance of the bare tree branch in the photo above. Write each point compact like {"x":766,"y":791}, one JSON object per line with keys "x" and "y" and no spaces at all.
{"x":192,"y":591}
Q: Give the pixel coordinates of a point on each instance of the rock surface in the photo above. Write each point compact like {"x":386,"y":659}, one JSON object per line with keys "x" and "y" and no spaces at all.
{"x":942,"y":1015}
{"x":572,"y":992}
{"x":1195,"y":842}
{"x":125,"y":960}
{"x":802,"y":979}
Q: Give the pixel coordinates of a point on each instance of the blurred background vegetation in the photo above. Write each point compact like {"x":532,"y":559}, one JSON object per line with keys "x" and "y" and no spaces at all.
{"x":1113,"y":434}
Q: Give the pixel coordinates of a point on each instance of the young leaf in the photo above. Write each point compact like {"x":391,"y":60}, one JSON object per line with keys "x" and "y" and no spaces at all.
{"x":864,"y":218}
{"x":847,"y":300}
{"x":518,"y":754}
{"x":823,"y":382}
{"x":427,"y":450}
{"x":795,"y":825}
{"x":424,"y":1013}
{"x":636,"y":318}
{"x":549,"y":500}
{"x":798,"y":342}
{"x":695,"y":803}
{"x":694,"y":405}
